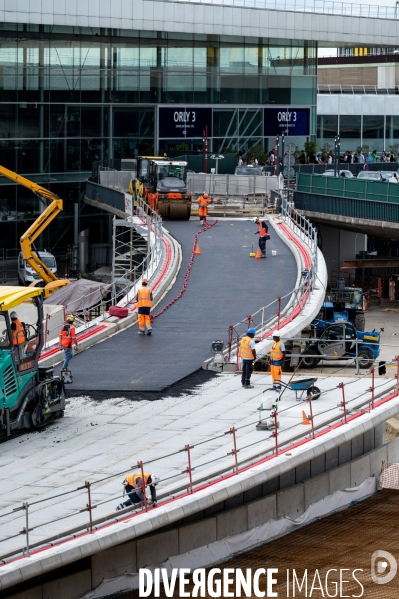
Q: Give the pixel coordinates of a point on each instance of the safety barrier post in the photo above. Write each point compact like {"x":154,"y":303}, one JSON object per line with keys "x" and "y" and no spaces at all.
{"x":372,"y":370}
{"x":249,"y":319}
{"x":46,"y":329}
{"x":311,"y":414}
{"x":263,"y":321}
{"x":25,"y":530}
{"x":343,"y":402}
{"x":278,"y":312}
{"x":232,"y":431}
{"x":230,"y":343}
{"x":238,"y":346}
{"x":89,"y":507}
{"x":143,"y":486}
{"x":275,"y":433}
{"x":188,"y":470}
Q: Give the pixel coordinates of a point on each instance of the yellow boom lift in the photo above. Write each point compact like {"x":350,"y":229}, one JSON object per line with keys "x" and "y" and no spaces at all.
{"x":54,"y":205}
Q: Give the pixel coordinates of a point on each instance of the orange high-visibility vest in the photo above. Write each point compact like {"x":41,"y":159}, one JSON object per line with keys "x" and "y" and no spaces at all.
{"x":131,"y":479}
{"x":275,"y":353}
{"x":144,"y":298}
{"x":67,"y":334}
{"x":245,"y":352}
{"x":262,"y":230}
{"x":18,"y":335}
{"x":203,"y":202}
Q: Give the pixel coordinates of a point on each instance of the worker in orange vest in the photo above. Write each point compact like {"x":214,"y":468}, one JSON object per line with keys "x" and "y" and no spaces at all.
{"x":135,"y":488}
{"x":263,"y":231}
{"x":144,"y":303}
{"x":18,"y":330}
{"x":277,"y":357}
{"x":247,"y":353}
{"x":203,"y":202}
{"x":67,"y":340}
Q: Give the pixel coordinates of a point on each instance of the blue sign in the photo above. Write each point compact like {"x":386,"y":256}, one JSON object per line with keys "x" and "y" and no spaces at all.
{"x":290,"y":121}
{"x":185,"y":123}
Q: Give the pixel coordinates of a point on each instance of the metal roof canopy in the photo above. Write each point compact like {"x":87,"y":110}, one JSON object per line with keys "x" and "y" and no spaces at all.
{"x":11,"y":297}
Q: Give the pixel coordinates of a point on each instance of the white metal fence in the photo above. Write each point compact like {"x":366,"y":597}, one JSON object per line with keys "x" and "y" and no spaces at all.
{"x":231,"y":185}
{"x":118,"y":180}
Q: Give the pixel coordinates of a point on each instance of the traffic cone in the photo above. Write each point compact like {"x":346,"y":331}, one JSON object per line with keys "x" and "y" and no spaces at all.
{"x":305,"y":419}
{"x":258,"y":254}
{"x":197,"y":249}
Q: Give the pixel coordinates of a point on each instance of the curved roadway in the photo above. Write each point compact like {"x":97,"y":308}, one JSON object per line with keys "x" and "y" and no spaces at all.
{"x":225,"y":286}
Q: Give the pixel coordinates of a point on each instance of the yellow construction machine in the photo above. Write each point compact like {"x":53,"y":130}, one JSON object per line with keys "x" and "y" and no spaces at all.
{"x":161,"y":183}
{"x":54,"y":205}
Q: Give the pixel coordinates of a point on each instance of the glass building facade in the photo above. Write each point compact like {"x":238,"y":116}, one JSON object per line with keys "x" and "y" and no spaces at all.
{"x":73,"y":95}
{"x":378,"y":132}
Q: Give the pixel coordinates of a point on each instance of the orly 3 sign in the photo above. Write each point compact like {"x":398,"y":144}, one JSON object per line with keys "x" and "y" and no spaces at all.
{"x":290,"y":121}
{"x":184,"y":122}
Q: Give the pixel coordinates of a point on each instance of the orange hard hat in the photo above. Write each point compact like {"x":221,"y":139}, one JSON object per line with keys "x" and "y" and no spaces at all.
{"x":205,"y":195}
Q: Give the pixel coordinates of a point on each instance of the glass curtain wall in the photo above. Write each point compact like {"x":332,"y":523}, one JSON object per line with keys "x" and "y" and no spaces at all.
{"x":69,"y":96}
{"x":378,"y":132}
{"x":72,"y":95}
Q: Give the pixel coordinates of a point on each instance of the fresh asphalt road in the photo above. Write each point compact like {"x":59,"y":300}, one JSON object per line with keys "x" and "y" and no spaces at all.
{"x":224,"y":287}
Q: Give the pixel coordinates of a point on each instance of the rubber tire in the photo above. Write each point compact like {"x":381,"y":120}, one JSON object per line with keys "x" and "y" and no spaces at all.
{"x":310,"y":362}
{"x":360,"y":321}
{"x":314,"y":392}
{"x":368,"y":355}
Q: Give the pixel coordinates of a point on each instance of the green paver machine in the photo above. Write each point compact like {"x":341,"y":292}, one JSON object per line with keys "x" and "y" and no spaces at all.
{"x":30,"y":396}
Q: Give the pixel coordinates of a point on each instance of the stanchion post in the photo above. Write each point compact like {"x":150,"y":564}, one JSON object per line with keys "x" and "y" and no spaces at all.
{"x":263,"y":320}
{"x":343,"y":402}
{"x":143,"y":485}
{"x":231,"y":328}
{"x":278,"y":312}
{"x":275,"y":432}
{"x":249,"y":319}
{"x":311,"y":414}
{"x":89,"y":506}
{"x":188,"y":470}
{"x":238,"y":347}
{"x":25,"y":506}
{"x":372,"y":388}
{"x":234,"y":452}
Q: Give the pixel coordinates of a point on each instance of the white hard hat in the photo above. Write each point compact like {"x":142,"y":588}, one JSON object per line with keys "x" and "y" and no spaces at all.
{"x":276,"y":333}
{"x":255,"y":219}
{"x":13,"y":315}
{"x":155,"y":479}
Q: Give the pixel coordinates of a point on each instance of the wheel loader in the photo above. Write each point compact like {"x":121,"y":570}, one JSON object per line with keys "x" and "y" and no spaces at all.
{"x":30,"y":396}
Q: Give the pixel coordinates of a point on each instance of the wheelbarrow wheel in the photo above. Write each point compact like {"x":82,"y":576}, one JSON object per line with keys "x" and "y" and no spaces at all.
{"x":314,"y":392}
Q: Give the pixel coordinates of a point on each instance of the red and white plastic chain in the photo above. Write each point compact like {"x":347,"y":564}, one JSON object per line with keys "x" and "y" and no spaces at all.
{"x":184,"y":287}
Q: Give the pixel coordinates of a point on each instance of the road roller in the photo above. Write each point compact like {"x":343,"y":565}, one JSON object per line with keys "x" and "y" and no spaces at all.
{"x":161,"y":183}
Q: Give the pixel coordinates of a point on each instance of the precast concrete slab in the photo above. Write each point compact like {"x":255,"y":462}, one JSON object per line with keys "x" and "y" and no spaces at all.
{"x":225,"y":285}
{"x":99,"y":439}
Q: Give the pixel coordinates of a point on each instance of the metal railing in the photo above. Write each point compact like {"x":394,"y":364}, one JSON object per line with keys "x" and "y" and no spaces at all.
{"x":188,"y":473}
{"x":231,"y":186}
{"x":326,"y":7}
{"x":336,"y":88}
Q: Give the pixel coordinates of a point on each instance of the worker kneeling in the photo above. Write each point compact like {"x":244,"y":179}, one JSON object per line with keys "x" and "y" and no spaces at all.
{"x":135,"y":489}
{"x":277,"y":356}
